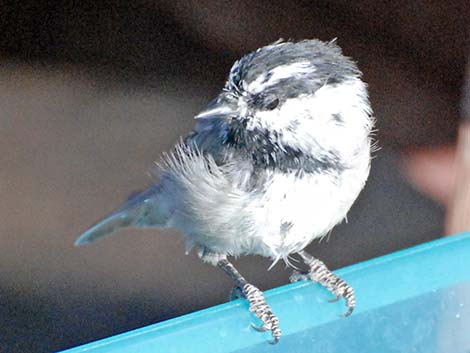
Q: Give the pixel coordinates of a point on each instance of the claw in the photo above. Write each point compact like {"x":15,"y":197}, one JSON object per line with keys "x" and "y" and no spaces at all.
{"x":255,"y":298}
{"x":275,"y":340}
{"x":334,"y":300}
{"x":259,"y":328}
{"x":276,"y":332}
{"x":321,"y":274}
{"x":349,"y":312}
{"x":262,"y":311}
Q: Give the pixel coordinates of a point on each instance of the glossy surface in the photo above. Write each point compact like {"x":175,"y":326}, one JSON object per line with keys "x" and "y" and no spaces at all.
{"x":414,"y":300}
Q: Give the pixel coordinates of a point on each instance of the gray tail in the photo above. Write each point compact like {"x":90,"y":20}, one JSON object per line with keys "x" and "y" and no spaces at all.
{"x":132,"y":213}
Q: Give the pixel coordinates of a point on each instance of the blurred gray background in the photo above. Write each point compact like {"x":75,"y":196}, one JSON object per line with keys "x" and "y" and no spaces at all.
{"x":91,"y":93}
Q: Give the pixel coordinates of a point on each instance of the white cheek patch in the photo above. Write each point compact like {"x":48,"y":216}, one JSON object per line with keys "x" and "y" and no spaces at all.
{"x":308,"y":122}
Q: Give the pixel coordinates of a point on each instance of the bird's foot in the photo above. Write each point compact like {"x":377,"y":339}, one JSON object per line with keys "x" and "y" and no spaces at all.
{"x":255,"y":298}
{"x":321,"y":274}
{"x":262,"y":311}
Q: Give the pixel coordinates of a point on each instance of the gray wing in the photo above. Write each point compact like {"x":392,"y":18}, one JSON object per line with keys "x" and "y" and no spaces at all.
{"x":143,"y":209}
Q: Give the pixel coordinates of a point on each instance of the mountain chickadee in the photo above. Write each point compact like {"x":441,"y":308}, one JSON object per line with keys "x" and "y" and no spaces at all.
{"x":275,"y":161}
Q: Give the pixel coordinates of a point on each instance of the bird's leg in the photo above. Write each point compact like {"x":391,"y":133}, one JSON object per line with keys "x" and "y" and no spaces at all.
{"x":321,"y":274}
{"x":255,"y":299}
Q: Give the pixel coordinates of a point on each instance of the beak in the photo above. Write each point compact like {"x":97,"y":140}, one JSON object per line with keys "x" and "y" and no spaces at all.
{"x":220,"y":107}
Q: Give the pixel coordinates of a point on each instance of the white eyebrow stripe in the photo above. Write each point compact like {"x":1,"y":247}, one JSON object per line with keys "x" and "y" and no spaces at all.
{"x":279,"y":73}
{"x":257,"y":85}
{"x":285,"y":71}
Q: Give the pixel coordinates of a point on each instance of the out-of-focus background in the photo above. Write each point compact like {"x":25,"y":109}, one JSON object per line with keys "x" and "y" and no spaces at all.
{"x":91,"y":93}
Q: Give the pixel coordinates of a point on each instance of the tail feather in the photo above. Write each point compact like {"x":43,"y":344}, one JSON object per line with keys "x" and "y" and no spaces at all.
{"x":136,"y":211}
{"x":105,"y":227}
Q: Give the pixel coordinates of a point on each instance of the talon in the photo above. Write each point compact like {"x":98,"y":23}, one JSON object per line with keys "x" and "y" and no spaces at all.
{"x":275,"y":340}
{"x":339,"y":288}
{"x":262,"y":311}
{"x":256,"y":301}
{"x":276,"y":335}
{"x":334,"y":300}
{"x":259,"y":328}
{"x":349,"y":312}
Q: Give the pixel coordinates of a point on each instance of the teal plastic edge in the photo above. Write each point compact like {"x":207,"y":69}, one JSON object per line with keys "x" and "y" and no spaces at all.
{"x":300,"y":306}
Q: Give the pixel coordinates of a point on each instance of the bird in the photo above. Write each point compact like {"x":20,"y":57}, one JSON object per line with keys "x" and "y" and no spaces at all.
{"x":275,"y":161}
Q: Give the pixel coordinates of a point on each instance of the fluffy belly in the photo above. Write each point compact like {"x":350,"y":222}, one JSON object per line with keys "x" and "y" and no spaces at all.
{"x":294,"y":211}
{"x":279,"y":220}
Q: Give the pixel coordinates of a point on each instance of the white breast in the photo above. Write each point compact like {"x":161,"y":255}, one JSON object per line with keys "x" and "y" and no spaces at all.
{"x":298,"y":210}
{"x":291,"y":211}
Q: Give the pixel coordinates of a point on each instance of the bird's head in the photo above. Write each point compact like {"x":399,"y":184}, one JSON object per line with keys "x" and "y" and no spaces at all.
{"x":306,"y":97}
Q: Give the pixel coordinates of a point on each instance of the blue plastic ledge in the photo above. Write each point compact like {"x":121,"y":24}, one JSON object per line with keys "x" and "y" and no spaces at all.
{"x":414,"y":300}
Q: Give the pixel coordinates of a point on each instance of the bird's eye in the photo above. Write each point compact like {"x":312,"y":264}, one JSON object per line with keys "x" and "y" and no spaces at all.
{"x":272,"y":104}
